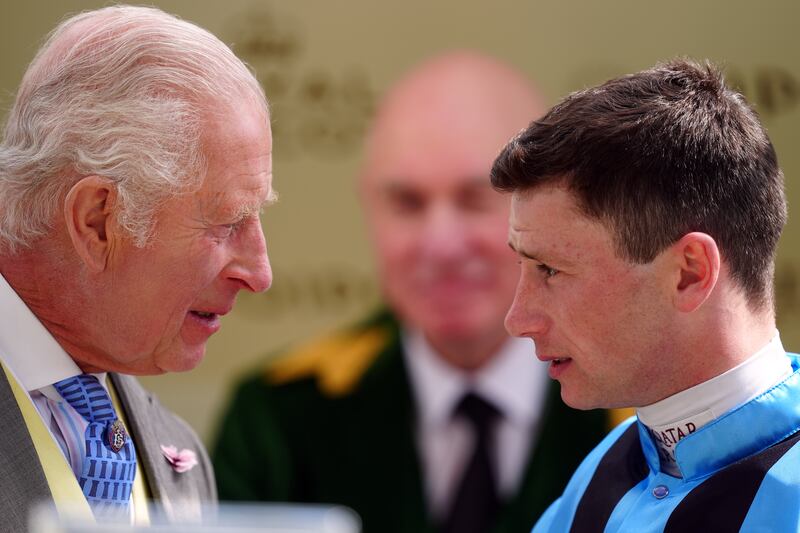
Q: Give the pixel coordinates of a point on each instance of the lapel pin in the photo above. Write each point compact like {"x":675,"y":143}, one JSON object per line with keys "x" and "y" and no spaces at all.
{"x":117,"y":436}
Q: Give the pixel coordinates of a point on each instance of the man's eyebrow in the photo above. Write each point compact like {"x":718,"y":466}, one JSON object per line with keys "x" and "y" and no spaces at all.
{"x":478,"y":182}
{"x":522,"y":252}
{"x":396,"y":186}
{"x":548,"y":258}
{"x":271,"y":199}
{"x":246,"y":211}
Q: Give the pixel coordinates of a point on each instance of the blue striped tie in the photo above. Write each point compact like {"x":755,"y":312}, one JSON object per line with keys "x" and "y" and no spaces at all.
{"x":109,"y":465}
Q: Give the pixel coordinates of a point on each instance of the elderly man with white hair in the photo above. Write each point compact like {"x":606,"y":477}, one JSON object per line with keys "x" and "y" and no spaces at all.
{"x":133,"y":166}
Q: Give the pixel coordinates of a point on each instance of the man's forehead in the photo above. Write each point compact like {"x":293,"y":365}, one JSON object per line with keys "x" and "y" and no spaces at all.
{"x":394,"y":182}
{"x":434,"y":149}
{"x":550,"y":217}
{"x":462,"y":94}
{"x":238,"y":202}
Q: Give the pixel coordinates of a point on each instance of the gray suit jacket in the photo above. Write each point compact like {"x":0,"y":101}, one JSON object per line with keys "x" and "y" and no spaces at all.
{"x":22,"y":481}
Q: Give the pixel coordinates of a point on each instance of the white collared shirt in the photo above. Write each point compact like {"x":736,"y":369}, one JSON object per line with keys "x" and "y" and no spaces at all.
{"x":27,"y":348}
{"x":37,"y":361}
{"x":514,"y":381}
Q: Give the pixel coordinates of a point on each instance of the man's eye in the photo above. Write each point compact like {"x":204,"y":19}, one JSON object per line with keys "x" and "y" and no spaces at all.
{"x":406,"y":202}
{"x":223,"y":231}
{"x":548,"y":271}
{"x":479,"y":200}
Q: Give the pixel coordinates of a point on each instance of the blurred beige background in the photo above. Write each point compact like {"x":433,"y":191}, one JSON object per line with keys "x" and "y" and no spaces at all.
{"x":325,"y":63}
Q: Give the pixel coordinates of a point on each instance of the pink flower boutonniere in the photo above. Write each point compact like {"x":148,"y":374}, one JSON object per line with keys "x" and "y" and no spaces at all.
{"x":181,"y":461}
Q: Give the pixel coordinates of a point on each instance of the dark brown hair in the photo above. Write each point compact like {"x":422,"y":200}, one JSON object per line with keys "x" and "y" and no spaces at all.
{"x":656,"y":155}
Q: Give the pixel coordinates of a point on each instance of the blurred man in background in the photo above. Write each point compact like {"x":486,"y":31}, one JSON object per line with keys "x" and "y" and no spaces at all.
{"x":427,"y":417}
{"x":646,"y":213}
{"x":132,"y":169}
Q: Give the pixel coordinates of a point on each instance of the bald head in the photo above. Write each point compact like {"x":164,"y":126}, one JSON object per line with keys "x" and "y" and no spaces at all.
{"x":439,"y":229}
{"x":457,"y":98}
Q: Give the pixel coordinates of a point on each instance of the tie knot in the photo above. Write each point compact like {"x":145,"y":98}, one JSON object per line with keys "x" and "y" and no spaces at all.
{"x":478,"y":411}
{"x":88,"y":397}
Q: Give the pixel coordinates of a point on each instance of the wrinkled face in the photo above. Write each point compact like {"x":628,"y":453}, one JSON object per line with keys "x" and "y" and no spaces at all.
{"x":439,"y":232}
{"x":599,"y":320}
{"x":165,"y":300}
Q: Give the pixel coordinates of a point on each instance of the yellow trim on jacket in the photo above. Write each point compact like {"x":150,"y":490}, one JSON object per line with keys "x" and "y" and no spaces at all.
{"x":337,"y":361}
{"x":140,"y":493}
{"x":67,"y":494}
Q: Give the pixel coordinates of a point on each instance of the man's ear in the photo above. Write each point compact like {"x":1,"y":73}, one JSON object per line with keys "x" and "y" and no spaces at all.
{"x":697,"y":265}
{"x":88,"y":213}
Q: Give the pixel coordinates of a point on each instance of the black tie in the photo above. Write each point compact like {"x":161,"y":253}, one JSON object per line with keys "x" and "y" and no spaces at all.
{"x":475,"y":506}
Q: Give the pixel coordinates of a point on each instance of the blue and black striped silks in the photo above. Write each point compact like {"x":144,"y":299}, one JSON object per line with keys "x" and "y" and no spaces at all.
{"x":741,"y":472}
{"x":107,"y":477}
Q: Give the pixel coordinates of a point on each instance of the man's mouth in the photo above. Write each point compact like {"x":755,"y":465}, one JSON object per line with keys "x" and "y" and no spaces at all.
{"x":545,"y":358}
{"x":204,"y":315}
{"x":555,"y":364}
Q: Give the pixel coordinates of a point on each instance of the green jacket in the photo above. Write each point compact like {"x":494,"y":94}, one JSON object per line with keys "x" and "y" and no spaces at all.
{"x":333,"y":423}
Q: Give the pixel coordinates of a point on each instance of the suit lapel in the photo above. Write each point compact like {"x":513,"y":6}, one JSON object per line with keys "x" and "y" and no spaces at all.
{"x":181,"y":495}
{"x":383,"y":431}
{"x":136,"y":405}
{"x":561,"y":440}
{"x":23,"y":481}
{"x":416,"y":514}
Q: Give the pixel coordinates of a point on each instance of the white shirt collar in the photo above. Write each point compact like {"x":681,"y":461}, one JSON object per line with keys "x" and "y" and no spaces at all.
{"x":737,"y":386}
{"x":514,"y":381}
{"x":27,"y":348}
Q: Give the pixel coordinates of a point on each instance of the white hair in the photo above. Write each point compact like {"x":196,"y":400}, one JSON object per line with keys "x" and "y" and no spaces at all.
{"x":122,"y":92}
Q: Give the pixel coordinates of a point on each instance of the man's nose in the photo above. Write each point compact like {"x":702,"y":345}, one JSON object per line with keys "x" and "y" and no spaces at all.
{"x":445,"y":233}
{"x":251,"y":266}
{"x":525,"y":318}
